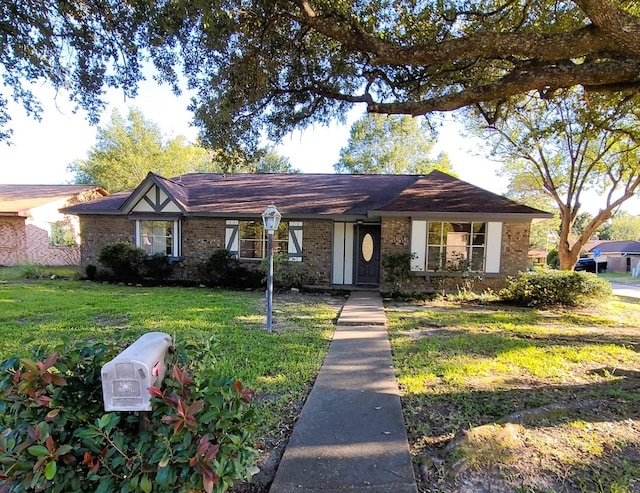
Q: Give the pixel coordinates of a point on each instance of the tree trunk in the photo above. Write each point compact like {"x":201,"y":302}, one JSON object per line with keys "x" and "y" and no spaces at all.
{"x":568,"y":254}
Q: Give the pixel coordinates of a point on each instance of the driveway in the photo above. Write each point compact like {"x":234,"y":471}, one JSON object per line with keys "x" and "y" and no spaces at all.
{"x":626,"y":290}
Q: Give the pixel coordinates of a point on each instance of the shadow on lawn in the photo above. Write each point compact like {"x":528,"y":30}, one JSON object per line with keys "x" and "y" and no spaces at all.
{"x":564,"y":438}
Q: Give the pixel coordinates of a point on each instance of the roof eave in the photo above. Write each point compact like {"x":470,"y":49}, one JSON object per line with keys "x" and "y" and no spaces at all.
{"x":494,"y":216}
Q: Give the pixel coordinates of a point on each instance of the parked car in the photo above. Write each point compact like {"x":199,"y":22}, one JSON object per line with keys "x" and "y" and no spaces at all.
{"x":589,"y":265}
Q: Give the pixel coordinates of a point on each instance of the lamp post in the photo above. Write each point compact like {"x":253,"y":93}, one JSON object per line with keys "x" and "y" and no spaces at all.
{"x":271,"y":220}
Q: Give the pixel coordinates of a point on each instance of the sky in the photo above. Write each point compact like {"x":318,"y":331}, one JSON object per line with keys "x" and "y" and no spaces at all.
{"x":40,"y":151}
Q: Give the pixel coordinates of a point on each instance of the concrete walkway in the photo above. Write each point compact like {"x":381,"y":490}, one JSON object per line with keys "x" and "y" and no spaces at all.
{"x":630,"y":291}
{"x":350,"y":436}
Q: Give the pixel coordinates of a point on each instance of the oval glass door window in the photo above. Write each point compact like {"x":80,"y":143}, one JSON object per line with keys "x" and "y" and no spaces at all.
{"x":367,"y":247}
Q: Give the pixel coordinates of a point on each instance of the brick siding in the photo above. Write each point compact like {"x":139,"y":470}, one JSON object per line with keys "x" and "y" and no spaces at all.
{"x":200,"y":238}
{"x":22,"y":242}
{"x":97,"y":231}
{"x":515,"y":248}
{"x":514,"y":255}
{"x":27,"y":240}
{"x":317,"y":237}
{"x":13,"y":241}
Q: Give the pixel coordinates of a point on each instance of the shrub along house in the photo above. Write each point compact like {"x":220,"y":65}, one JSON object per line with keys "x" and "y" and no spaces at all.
{"x":337,"y":226}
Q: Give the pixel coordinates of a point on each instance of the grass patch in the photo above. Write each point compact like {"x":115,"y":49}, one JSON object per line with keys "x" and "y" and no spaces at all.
{"x":33,"y":271}
{"x":620,"y":278}
{"x":223,"y":329}
{"x":568,"y":380}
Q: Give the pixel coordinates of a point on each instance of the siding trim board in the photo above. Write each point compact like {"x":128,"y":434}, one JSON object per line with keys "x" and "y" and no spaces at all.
{"x":343,"y":253}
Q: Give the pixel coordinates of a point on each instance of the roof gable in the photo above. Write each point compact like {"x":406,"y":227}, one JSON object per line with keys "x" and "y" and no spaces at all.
{"x":154,"y":195}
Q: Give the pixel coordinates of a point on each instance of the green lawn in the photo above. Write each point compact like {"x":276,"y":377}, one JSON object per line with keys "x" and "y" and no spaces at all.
{"x":541,"y":399}
{"x":527,"y":400}
{"x":223,"y":329}
{"x":621,"y":278}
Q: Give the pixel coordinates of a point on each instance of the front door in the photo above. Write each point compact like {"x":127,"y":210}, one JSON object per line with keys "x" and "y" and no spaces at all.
{"x":368,"y":250}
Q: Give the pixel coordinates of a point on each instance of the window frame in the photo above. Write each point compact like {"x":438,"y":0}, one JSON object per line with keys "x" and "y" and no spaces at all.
{"x":280,"y":239}
{"x":176,"y":236}
{"x":291,"y":242}
{"x":470,"y":249}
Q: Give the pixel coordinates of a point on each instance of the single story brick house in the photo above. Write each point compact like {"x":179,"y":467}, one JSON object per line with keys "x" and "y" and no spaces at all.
{"x":33,"y":231}
{"x":339,"y":225}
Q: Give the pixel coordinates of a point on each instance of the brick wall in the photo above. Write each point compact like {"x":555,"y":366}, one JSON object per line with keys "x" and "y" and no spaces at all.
{"x":200,"y":238}
{"x":515,"y":247}
{"x":317,"y":236}
{"x":395,"y":235}
{"x":97,"y":231}
{"x":13,"y":242}
{"x":394,"y":238}
{"x":41,"y":251}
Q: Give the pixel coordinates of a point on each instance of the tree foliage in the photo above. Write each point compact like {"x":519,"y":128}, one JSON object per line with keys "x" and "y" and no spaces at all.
{"x":623,"y":226}
{"x":390,"y":145}
{"x":127,"y":149}
{"x":269,"y":161}
{"x":569,"y":145}
{"x":261,"y":64}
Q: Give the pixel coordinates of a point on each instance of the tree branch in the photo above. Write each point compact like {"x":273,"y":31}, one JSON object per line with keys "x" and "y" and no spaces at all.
{"x":597,"y":76}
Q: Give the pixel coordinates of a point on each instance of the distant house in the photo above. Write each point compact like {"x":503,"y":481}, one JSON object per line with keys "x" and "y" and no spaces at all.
{"x":339,"y":226}
{"x":621,"y":255}
{"x":537,"y":257}
{"x":33,"y":231}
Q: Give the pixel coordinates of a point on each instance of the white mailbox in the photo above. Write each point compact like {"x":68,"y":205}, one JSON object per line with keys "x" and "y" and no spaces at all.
{"x":126,"y":378}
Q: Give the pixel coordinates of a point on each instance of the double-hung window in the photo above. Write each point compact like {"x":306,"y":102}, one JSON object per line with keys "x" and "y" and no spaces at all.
{"x":158,"y":236}
{"x":449,"y":246}
{"x":455,"y":246}
{"x":253,"y":239}
{"x":248,"y":239}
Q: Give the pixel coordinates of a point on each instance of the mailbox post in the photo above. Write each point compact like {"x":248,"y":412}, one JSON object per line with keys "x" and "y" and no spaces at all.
{"x":126,"y":378}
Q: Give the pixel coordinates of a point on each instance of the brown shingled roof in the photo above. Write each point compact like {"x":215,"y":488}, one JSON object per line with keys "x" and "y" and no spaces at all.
{"x":316,"y":194}
{"x":18,"y":199}
{"x":442,"y":193}
{"x":617,"y":246}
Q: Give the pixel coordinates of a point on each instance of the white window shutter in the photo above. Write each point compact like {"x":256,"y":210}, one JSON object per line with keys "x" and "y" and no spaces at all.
{"x":419,"y":245}
{"x":295,"y":241}
{"x":493,"y":248}
{"x":231,"y":239}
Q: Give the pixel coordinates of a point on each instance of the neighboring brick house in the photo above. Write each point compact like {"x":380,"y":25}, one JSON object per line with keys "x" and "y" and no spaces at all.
{"x":33,"y":231}
{"x":339,"y":226}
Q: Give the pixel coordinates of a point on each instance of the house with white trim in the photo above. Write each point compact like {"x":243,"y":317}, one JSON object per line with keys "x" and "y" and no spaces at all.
{"x":338,"y":225}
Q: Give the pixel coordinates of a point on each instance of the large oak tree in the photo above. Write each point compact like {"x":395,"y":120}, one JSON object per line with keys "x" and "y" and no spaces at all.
{"x":566,"y":146}
{"x":275,"y":65}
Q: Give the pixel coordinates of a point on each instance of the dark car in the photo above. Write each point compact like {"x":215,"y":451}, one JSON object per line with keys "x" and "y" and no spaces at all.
{"x":589,"y":265}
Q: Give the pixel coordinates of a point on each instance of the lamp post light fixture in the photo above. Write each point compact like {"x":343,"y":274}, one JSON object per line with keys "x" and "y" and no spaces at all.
{"x":271,"y":220}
